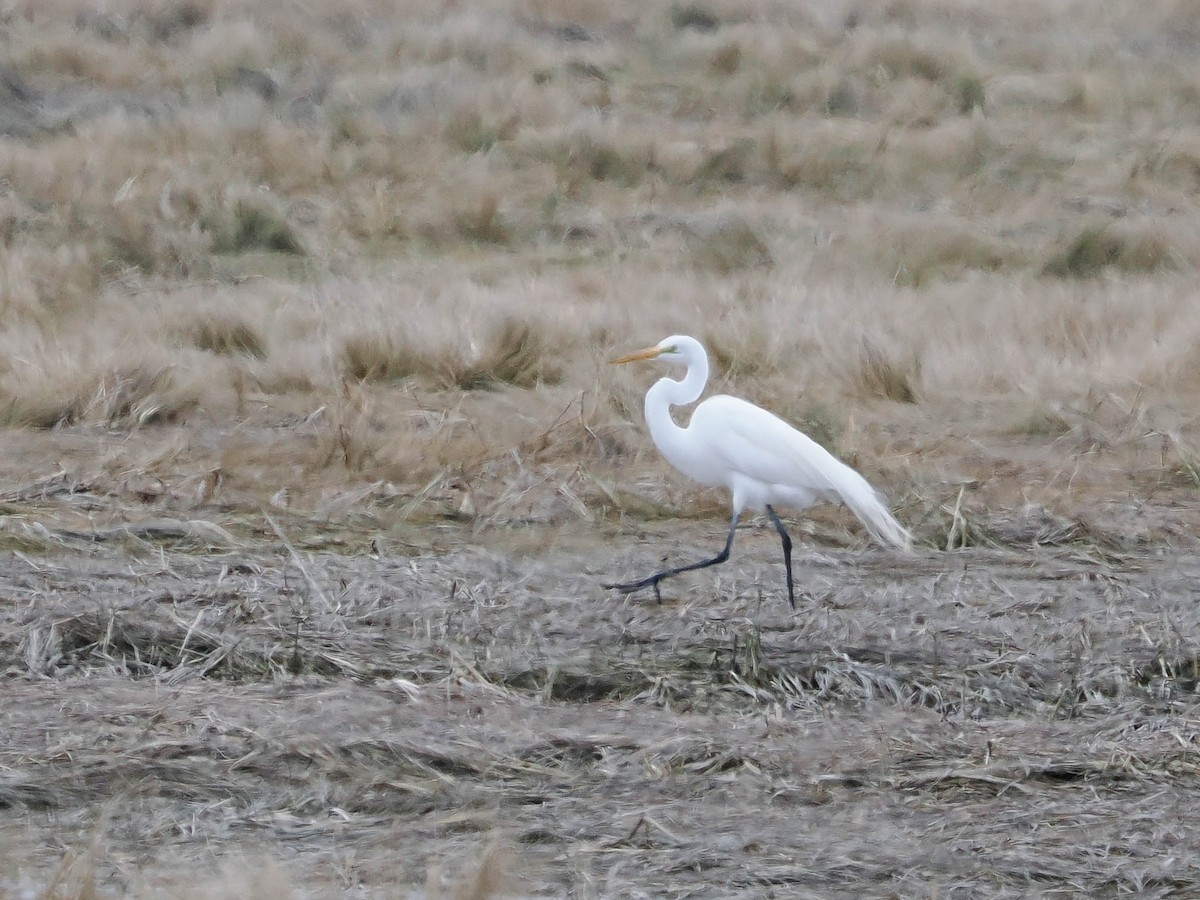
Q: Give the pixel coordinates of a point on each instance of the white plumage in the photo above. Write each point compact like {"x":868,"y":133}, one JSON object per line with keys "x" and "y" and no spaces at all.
{"x":761,"y":459}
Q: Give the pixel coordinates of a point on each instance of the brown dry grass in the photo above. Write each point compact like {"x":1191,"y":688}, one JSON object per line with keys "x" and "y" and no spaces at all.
{"x":305,"y":314}
{"x":416,"y":709}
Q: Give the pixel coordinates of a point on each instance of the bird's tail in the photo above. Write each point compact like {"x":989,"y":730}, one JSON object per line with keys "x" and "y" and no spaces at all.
{"x":866,"y":503}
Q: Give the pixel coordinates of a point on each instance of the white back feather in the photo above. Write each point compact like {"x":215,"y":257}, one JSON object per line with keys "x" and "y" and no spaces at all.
{"x":785,"y":456}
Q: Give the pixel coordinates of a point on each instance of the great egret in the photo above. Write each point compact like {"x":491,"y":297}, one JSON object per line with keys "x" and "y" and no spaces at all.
{"x":758,"y":456}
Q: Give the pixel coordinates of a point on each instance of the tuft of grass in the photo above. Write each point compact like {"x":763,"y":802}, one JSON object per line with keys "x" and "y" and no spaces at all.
{"x":169,"y":21}
{"x":1100,"y":247}
{"x":727,"y":59}
{"x":957,"y":526}
{"x":1181,"y":459}
{"x":896,"y":58}
{"x":251,"y":222}
{"x":830,"y":163}
{"x":154,"y":247}
{"x":483,"y":222}
{"x":1042,"y":423}
{"x":376,"y":357}
{"x":120,"y":398}
{"x":514,"y":353}
{"x":729,"y":165}
{"x":594,"y":156}
{"x":350,"y":429}
{"x":696,"y":16}
{"x":227,"y":334}
{"x":729,"y":244}
{"x":877,"y":375}
{"x":133,"y":396}
{"x":161,"y":23}
{"x":968,"y":88}
{"x":739,"y":351}
{"x":1177,"y":168}
{"x":471,"y":133}
{"x":844,"y":98}
{"x":933,"y":250}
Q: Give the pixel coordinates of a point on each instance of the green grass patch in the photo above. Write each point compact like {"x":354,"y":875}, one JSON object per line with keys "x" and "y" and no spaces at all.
{"x":696,"y":16}
{"x":1097,"y":248}
{"x":251,"y":223}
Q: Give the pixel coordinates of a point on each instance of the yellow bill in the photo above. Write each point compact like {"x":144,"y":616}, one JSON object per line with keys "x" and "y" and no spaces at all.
{"x":648,"y":353}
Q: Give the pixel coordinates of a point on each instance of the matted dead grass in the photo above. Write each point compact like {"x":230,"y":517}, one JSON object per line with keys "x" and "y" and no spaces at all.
{"x":313,"y":462}
{"x":418,"y":708}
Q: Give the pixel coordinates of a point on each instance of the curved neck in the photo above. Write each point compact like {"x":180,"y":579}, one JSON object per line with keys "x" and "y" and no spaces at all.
{"x":685,"y":390}
{"x":668,"y":392}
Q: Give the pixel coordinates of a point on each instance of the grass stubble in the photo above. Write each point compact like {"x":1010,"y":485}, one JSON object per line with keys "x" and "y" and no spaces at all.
{"x":305,"y":406}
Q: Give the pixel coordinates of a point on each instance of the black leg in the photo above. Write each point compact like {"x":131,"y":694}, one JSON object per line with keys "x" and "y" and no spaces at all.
{"x":787,"y":554}
{"x":653,"y":580}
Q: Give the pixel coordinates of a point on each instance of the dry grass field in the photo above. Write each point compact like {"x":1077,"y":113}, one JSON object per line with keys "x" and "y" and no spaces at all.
{"x":313,"y":467}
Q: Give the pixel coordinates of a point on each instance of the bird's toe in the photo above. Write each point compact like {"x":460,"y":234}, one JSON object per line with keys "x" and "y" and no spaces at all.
{"x":624,"y":588}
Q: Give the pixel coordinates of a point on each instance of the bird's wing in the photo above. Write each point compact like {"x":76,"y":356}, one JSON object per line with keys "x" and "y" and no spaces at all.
{"x":759,"y":445}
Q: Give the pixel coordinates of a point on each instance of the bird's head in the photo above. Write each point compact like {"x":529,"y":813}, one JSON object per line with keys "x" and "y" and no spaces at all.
{"x":678,"y":348}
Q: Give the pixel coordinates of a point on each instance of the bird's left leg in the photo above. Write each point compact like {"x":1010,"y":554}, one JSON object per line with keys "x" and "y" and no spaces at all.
{"x":787,"y":553}
{"x":653,"y":580}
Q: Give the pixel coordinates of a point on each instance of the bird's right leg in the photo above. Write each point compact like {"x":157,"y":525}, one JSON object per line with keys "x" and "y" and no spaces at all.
{"x":653,"y":580}
{"x":787,"y":553}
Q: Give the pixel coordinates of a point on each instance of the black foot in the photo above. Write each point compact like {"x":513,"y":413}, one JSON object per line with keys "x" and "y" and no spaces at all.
{"x":806,"y":598}
{"x":630,"y":587}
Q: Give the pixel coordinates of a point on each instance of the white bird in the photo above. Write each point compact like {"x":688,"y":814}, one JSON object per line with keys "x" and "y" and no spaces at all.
{"x":760,"y":458}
